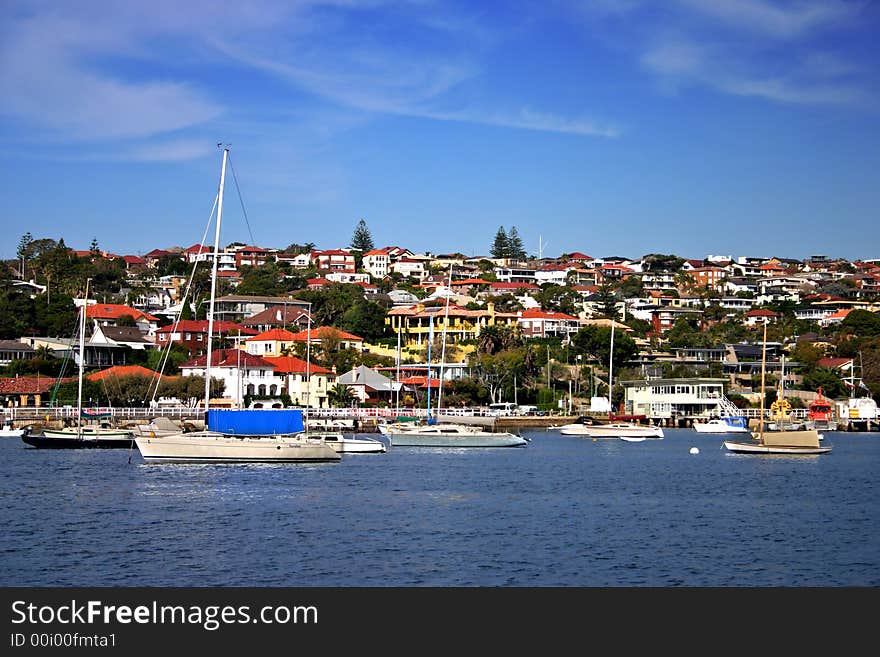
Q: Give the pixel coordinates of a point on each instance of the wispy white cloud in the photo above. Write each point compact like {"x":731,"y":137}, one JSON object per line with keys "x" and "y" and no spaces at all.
{"x":46,"y":80}
{"x":814,"y":81}
{"x":754,"y":48}
{"x":773,"y":19}
{"x":527,"y":119}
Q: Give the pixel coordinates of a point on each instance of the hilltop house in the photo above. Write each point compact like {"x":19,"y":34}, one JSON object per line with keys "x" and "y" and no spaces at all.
{"x":109,"y":314}
{"x":537,"y":323}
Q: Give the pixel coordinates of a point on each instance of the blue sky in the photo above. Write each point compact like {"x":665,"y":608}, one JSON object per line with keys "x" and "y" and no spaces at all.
{"x":737,"y":127}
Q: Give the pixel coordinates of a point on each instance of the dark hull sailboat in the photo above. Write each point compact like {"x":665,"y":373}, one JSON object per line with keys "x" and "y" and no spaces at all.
{"x":87,"y":440}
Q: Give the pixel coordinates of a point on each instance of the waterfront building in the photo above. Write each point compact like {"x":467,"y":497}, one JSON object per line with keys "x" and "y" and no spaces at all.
{"x":670,"y":399}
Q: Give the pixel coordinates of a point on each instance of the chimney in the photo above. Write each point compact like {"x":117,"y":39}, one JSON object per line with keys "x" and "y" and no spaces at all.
{"x":277,"y":315}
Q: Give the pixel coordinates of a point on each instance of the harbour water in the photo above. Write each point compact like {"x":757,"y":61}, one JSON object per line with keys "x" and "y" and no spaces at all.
{"x":564,"y":511}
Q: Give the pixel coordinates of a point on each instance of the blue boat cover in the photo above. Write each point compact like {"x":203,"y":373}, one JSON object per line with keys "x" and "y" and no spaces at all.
{"x":253,"y":422}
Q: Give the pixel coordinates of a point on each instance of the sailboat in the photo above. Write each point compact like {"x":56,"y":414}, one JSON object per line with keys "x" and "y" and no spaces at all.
{"x":446,"y":434}
{"x":627,"y":431}
{"x":236,"y":435}
{"x":797,"y":441}
{"x":96,"y":435}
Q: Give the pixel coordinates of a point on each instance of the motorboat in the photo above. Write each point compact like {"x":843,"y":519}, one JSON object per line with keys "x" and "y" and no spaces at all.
{"x":579,"y":422}
{"x":9,"y":431}
{"x":347,"y":444}
{"x":820,"y":415}
{"x":452,"y":435}
{"x":720,"y":425}
{"x":614,"y":430}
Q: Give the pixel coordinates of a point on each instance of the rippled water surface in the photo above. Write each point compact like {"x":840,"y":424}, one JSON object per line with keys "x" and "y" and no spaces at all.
{"x":564,"y":511}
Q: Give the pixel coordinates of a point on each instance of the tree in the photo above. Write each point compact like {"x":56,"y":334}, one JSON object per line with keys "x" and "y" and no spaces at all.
{"x":362,"y":240}
{"x":595,"y":341}
{"x":365,"y":319}
{"x":24,"y":251}
{"x":515,"y":247}
{"x":340,"y":396}
{"x":558,"y":298}
{"x":186,"y":312}
{"x":862,"y":323}
{"x":501,"y":245}
{"x":607,"y":300}
{"x":93,"y":246}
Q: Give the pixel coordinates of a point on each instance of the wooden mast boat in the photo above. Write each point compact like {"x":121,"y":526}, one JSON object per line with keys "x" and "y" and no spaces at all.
{"x":799,"y":441}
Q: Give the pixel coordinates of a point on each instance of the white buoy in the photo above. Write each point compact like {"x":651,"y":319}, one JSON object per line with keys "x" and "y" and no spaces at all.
{"x":694,"y":450}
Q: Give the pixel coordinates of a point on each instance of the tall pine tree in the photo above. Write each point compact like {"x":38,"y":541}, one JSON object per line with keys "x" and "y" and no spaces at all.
{"x":515,"y":247}
{"x":362,"y":240}
{"x":501,"y":245}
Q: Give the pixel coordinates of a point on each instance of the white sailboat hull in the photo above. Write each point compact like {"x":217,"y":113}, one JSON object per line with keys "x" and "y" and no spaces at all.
{"x":448,"y":435}
{"x":211,"y":447}
{"x":757,"y":448}
{"x":780,"y":442}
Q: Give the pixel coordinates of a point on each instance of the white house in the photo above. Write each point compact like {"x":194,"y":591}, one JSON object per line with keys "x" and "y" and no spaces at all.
{"x":376,"y":262}
{"x":242,"y":373}
{"x":671,"y":398}
{"x":410,"y":267}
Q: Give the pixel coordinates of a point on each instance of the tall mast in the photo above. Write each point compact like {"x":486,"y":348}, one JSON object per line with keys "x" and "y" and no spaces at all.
{"x":214,"y":279}
{"x":82,"y":361}
{"x":308,"y":395}
{"x":428,"y":378}
{"x":611,"y":370}
{"x":443,"y":350}
{"x":763,"y":372}
{"x":397,"y":393}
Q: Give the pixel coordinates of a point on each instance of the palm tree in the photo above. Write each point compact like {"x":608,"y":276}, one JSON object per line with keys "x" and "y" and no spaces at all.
{"x":340,"y":396}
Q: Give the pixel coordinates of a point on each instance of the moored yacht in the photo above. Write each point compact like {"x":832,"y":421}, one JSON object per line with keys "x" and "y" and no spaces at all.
{"x":452,"y":435}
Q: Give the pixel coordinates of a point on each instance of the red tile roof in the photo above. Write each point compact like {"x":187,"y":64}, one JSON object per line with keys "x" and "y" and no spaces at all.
{"x":201,"y":326}
{"x":229,"y":358}
{"x":325,"y":331}
{"x":421,"y":381}
{"x":278,"y":334}
{"x":122,"y":370}
{"x":115,"y":311}
{"x":294,"y":365}
{"x":833,"y":363}
{"x":761,"y":312}
{"x":22,"y":385}
{"x":537,"y":313}
{"x":513,"y":286}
